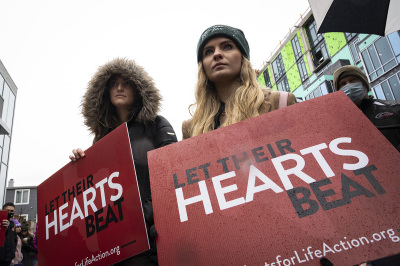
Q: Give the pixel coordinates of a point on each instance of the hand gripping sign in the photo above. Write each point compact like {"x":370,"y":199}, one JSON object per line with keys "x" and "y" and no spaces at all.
{"x":89,"y":212}
{"x":289,"y":187}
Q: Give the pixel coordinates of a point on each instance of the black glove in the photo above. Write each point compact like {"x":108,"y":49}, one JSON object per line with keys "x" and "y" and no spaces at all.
{"x":148,"y":211}
{"x":325,"y":262}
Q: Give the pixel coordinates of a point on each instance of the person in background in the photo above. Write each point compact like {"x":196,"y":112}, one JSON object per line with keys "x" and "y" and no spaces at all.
{"x":122,"y":91}
{"x":28,"y":249}
{"x":18,"y":254}
{"x":35,"y":244}
{"x":7,"y":252}
{"x":227,"y":90}
{"x":385,"y":115}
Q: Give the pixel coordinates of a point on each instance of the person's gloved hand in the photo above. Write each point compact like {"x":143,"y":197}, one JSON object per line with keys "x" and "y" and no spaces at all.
{"x":325,"y":262}
{"x":148,"y":211}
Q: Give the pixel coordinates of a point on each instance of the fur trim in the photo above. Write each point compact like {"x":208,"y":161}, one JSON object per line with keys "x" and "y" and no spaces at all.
{"x":92,"y":100}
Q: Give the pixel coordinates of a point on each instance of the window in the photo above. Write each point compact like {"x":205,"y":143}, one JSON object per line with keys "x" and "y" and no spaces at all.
{"x":394,"y":39}
{"x":388,"y":89}
{"x":278,"y":67}
{"x":1,"y":84}
{"x":6,"y":150}
{"x":314,"y":38}
{"x":8,"y":107}
{"x":296,"y":47}
{"x":350,"y":36}
{"x":317,"y":43}
{"x":322,"y":89}
{"x":283,"y":85}
{"x":353,"y":45}
{"x":25,"y":216}
{"x":378,"y":58}
{"x":320,"y":54}
{"x":267,"y":79}
{"x":302,"y":69}
{"x":21,"y":196}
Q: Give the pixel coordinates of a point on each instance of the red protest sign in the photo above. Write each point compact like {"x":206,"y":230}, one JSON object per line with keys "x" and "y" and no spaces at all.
{"x":89,"y":212}
{"x":3,"y":216}
{"x":312,"y":180}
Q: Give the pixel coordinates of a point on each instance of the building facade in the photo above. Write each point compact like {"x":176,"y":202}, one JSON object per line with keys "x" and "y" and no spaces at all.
{"x":24,"y":199}
{"x":305,"y":61}
{"x":8,"y":95}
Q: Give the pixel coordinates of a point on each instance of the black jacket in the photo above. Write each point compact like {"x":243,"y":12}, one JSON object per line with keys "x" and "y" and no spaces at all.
{"x":385,"y":115}
{"x":147,"y":131}
{"x":7,"y":252}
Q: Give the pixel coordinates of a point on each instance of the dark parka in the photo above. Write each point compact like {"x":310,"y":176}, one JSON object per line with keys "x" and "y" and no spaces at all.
{"x":147,"y":130}
{"x":385,"y":115}
{"x":7,"y":252}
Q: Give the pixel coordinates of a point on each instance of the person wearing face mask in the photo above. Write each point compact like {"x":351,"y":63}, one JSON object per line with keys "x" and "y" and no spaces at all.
{"x":7,"y":251}
{"x":385,"y":115}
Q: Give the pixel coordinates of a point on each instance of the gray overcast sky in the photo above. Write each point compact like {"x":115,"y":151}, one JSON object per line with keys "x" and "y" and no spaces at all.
{"x":52,"y":48}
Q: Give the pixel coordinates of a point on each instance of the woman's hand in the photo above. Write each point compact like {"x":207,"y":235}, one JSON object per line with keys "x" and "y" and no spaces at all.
{"x":77,"y":154}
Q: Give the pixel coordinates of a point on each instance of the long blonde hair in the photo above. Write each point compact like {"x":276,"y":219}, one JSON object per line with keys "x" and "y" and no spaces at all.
{"x":247,"y":100}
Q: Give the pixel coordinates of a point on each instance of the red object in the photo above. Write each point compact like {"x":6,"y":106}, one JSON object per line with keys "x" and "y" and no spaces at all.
{"x":89,"y":212}
{"x":311,"y":180}
{"x":3,"y":216}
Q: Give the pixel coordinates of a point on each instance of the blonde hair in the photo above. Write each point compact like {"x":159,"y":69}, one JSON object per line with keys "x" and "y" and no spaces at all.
{"x":247,"y":100}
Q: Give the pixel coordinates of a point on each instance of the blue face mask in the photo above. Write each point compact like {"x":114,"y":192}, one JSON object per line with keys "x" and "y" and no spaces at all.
{"x":355,"y":91}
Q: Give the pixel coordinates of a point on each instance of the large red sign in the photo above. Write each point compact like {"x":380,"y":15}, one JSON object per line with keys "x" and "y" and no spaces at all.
{"x":89,"y":212}
{"x":289,"y":187}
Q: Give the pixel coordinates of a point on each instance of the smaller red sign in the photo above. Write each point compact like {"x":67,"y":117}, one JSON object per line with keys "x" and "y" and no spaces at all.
{"x":3,"y":216}
{"x":92,"y":208}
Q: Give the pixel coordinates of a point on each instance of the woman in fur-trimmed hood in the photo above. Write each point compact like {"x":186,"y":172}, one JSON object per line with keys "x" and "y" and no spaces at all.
{"x":99,"y":113}
{"x":122,"y":91}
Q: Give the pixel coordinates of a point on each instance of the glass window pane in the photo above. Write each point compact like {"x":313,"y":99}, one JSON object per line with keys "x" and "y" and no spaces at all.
{"x":317,"y":92}
{"x":390,"y":65}
{"x":287,"y":88}
{"x":394,"y":39}
{"x":386,"y":90}
{"x":324,"y":51}
{"x":324,"y":89}
{"x":275,"y":69}
{"x":394,"y":85}
{"x":367,"y":62}
{"x":296,"y":47}
{"x":6,"y":96}
{"x":6,"y":149}
{"x":354,"y":52}
{"x":373,"y":76}
{"x":1,"y":84}
{"x":374,"y":57}
{"x":18,"y":196}
{"x":25,"y":196}
{"x":384,"y":51}
{"x":379,"y":93}
{"x":10,"y":115}
{"x":279,"y":86}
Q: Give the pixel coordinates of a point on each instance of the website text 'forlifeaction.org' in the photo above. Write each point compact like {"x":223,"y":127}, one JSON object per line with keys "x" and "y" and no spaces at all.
{"x":309,"y":253}
{"x":95,"y":258}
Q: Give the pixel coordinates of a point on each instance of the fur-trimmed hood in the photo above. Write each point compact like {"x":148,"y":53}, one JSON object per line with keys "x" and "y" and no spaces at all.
{"x":93,"y":99}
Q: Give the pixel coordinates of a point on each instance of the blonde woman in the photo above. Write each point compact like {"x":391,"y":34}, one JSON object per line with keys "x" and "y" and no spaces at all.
{"x":227,"y":90}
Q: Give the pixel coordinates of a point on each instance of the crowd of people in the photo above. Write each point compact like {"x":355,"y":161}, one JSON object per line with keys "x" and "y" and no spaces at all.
{"x":226,"y":92}
{"x":20,"y":244}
